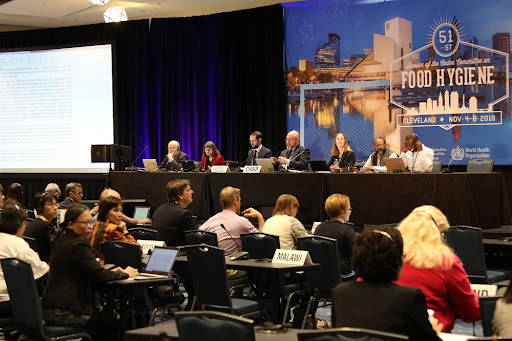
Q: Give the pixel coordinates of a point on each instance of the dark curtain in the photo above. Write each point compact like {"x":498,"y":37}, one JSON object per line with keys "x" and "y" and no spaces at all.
{"x":219,"y":78}
{"x":215,"y":77}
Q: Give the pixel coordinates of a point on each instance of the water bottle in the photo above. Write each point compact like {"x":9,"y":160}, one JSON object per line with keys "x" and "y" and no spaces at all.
{"x":336,"y":165}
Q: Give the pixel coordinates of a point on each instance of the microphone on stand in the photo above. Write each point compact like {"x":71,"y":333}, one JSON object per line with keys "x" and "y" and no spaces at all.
{"x":132,"y":168}
{"x":447,"y":169}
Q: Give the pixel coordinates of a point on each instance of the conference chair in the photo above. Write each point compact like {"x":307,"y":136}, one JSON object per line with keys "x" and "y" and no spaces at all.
{"x":31,"y":242}
{"x":121,"y":253}
{"x":323,"y":251}
{"x":26,"y":306}
{"x":213,"y":326}
{"x":194,"y":237}
{"x":487,"y":306}
{"x":436,"y":167}
{"x":479,"y":166}
{"x":260,"y":245}
{"x":349,"y":334}
{"x":208,"y":269}
{"x":467,"y":242}
{"x":142,"y":233}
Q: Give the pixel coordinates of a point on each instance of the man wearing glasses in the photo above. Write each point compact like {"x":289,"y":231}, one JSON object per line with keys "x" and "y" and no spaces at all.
{"x":172,"y":160}
{"x":294,"y":156}
{"x":376,"y":158}
{"x":74,"y":192}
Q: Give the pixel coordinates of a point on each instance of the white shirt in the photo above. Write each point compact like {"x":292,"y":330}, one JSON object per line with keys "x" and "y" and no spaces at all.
{"x":419,"y":161}
{"x":12,"y":246}
{"x":369,"y":161}
{"x":289,"y":229}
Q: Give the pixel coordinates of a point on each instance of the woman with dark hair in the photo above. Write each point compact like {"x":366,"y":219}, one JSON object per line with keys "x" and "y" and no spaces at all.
{"x":14,"y":194}
{"x":503,"y":314}
{"x":211,"y":156}
{"x":109,"y":225}
{"x":42,"y":228}
{"x":12,"y":226}
{"x":284,"y":224}
{"x":375,"y":302}
{"x":337,"y":207}
{"x":69,"y":298}
{"x":2,"y":197}
{"x":342,"y":152}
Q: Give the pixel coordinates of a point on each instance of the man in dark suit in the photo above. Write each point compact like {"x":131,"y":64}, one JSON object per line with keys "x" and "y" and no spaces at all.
{"x":74,"y":194}
{"x":173,"y":159}
{"x":294,"y":156}
{"x":257,"y":151}
{"x":172,"y":219}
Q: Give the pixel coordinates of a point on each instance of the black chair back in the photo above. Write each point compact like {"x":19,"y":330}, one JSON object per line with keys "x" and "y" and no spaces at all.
{"x":324,"y":251}
{"x":31,"y":242}
{"x":195,"y":237}
{"x":350,"y":334}
{"x":208,"y":262}
{"x":143,"y":233}
{"x":487,"y":307}
{"x":260,"y":245}
{"x":213,"y":326}
{"x":122,"y":254}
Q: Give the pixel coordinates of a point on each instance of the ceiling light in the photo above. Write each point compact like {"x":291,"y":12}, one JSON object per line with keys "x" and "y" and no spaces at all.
{"x":99,"y":2}
{"x":115,"y":14}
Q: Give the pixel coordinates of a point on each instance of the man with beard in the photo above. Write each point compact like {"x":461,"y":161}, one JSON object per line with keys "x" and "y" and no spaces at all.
{"x":258,"y":151}
{"x":376,"y":158}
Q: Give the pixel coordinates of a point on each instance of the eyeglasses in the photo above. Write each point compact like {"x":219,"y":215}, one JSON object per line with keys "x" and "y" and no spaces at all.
{"x":86,"y":222}
{"x":79,"y":193}
{"x":379,"y":145}
{"x":290,"y":139}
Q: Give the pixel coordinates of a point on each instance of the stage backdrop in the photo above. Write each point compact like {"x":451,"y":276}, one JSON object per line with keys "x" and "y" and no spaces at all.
{"x":437,"y":68}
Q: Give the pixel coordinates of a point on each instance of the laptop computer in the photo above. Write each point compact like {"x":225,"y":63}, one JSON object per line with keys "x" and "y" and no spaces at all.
{"x":188,"y":166}
{"x":150,"y":165}
{"x":319,"y":165}
{"x":160,"y":263}
{"x":266,"y":165}
{"x":141,"y":212}
{"x":394,"y":163}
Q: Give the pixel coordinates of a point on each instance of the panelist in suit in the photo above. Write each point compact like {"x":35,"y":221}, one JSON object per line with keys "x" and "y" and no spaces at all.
{"x":294,"y":156}
{"x":376,"y":302}
{"x":342,"y":152}
{"x":257,"y":151}
{"x":172,"y":160}
{"x":211,"y":157}
{"x":416,"y":156}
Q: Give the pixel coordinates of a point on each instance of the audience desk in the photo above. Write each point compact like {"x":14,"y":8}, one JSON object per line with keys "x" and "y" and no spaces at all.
{"x":476,"y":199}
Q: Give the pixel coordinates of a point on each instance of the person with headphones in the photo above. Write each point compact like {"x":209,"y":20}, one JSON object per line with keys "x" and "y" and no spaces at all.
{"x":12,"y":227}
{"x":416,"y":156}
{"x":42,"y":228}
{"x":172,"y":160}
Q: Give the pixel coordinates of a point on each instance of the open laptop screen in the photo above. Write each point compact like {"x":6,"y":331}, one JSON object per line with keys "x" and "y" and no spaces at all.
{"x":161,"y":260}
{"x":141,"y":213}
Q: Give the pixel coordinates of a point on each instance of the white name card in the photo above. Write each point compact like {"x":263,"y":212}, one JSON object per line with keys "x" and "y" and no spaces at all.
{"x":220,"y":169}
{"x":148,"y":245}
{"x":484,"y":290}
{"x":252,"y":169}
{"x":295,"y":257}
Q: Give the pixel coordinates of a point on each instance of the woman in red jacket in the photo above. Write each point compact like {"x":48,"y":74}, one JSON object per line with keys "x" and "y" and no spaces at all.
{"x":430,"y":265}
{"x":211,"y":157}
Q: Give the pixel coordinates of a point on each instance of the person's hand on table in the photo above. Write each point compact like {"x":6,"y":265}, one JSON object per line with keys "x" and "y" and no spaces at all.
{"x":438,"y":327}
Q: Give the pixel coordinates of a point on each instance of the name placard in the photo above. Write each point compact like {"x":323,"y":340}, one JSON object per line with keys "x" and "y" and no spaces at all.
{"x":295,"y":257}
{"x":484,"y":290}
{"x":252,"y":169}
{"x":148,"y":245}
{"x":220,"y":169}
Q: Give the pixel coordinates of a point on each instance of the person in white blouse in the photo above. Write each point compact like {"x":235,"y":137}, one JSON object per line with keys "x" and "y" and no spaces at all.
{"x":416,"y":156}
{"x":12,"y":245}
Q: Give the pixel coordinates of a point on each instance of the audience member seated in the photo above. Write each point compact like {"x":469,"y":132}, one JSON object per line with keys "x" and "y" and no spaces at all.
{"x":430,"y":265}
{"x":42,"y":229}
{"x":503,"y":314}
{"x":375,"y":302}
{"x":109,"y":226}
{"x":12,"y":226}
{"x":74,"y":194}
{"x":14,"y":194}
{"x":284,"y":224}
{"x":337,"y":207}
{"x":53,"y":188}
{"x":69,"y":299}
{"x":109,"y":192}
{"x":2,"y":197}
{"x":342,"y":152}
{"x":211,"y":157}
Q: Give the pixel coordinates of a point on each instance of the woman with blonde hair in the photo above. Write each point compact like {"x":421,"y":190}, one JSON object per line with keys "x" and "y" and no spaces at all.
{"x":284,"y":224}
{"x":342,"y":152}
{"x":433,"y":267}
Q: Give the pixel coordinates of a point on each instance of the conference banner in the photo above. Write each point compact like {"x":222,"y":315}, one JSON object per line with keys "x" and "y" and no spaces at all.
{"x":369,"y":69}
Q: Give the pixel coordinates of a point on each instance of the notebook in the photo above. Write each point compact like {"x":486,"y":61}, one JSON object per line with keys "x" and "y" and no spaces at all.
{"x":160,"y":263}
{"x":150,"y":165}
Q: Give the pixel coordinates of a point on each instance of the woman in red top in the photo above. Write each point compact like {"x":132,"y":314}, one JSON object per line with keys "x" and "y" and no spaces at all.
{"x":211,"y":157}
{"x":430,"y":265}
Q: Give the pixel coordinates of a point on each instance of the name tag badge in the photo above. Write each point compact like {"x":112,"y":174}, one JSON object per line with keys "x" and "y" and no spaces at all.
{"x":292,"y":257}
{"x":252,"y":169}
{"x":220,"y":169}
